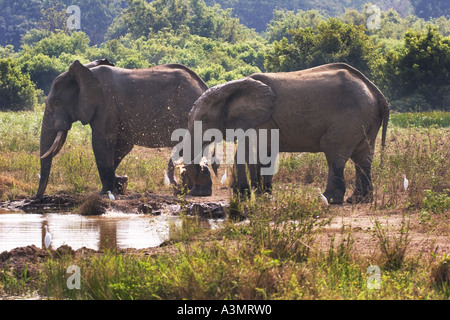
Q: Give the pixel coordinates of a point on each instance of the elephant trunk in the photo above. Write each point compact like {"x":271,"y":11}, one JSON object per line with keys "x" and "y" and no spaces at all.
{"x":51,"y":144}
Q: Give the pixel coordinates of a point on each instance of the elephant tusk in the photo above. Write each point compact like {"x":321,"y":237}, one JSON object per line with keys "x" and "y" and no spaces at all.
{"x":57,"y":144}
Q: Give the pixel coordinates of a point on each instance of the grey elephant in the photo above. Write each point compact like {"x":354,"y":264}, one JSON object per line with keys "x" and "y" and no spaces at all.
{"x":124,"y":107}
{"x":331,"y":108}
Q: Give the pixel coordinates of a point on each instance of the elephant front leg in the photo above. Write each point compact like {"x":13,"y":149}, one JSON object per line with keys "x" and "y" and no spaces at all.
{"x":240,"y":183}
{"x":104,"y":158}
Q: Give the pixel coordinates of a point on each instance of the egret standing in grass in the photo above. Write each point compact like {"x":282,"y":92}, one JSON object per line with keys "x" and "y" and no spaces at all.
{"x":166,"y":179}
{"x":111,"y":196}
{"x":224,"y":178}
{"x":47,"y":238}
{"x":405,"y":182}
{"x":322,"y":197}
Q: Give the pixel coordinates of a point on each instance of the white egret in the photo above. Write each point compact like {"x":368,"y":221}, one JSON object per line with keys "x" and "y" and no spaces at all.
{"x":322,"y":197}
{"x":204,"y":162}
{"x":166,"y":179}
{"x":405,"y":182}
{"x":111,"y":196}
{"x":47,"y":238}
{"x":224,"y":177}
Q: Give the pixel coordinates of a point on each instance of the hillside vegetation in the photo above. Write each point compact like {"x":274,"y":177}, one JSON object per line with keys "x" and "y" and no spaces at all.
{"x":407,"y":54}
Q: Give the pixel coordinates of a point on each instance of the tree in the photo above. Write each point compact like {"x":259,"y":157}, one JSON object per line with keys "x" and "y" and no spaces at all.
{"x":331,"y":41}
{"x":419,"y":73}
{"x":141,"y":18}
{"x":283,"y":21}
{"x":17,"y":92}
{"x":431,"y":8}
{"x":16,"y":18}
{"x":48,"y":57}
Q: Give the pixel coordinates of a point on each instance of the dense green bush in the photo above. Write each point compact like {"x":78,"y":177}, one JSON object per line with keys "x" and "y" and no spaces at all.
{"x":143,"y":19}
{"x":417,"y":76}
{"x":45,"y":57}
{"x":331,"y":41}
{"x":17,"y":92}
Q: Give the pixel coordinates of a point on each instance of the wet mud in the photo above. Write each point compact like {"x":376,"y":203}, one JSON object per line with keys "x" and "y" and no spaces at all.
{"x":132,"y":203}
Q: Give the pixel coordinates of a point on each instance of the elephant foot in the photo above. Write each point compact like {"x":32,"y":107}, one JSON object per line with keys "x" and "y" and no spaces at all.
{"x":334,"y":199}
{"x":201,"y":190}
{"x":265,"y":189}
{"x":357,"y":198}
{"x":121,"y":184}
{"x":242,"y":192}
{"x":186,"y":182}
{"x":181,"y":189}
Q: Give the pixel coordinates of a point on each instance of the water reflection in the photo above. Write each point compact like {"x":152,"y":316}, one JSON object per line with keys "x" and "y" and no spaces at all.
{"x":112,"y":230}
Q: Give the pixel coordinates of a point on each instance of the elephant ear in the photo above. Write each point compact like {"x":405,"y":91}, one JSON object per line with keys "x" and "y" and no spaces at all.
{"x":243,"y":103}
{"x":90,"y":92}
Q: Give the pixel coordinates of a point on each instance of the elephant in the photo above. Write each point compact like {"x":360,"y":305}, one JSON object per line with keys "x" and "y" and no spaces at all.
{"x":124,"y":107}
{"x":332,"y":108}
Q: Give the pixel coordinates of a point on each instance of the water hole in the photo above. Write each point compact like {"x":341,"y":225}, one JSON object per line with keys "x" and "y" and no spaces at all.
{"x":108,"y":231}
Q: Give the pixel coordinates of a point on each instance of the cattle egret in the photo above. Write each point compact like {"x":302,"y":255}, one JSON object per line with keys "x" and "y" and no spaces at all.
{"x":204,"y":162}
{"x":166,"y":179}
{"x":405,"y":182}
{"x":47,"y":238}
{"x":322,"y":197}
{"x":224,"y":178}
{"x":111,"y":196}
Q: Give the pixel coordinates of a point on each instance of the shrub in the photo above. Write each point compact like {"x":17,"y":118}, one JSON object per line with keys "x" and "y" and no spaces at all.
{"x":17,"y":92}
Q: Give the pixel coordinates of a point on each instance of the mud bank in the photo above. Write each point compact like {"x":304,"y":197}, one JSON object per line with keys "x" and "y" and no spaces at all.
{"x":132,"y":203}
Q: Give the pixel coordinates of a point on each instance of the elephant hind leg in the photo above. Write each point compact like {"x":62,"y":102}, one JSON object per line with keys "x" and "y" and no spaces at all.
{"x":121,"y":149}
{"x":363,"y":185}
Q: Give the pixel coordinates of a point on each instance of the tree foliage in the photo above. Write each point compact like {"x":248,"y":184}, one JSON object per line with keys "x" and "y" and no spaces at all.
{"x":17,"y":92}
{"x":407,"y":59}
{"x":331,"y":41}
{"x":418,"y":74}
{"x":143,"y":19}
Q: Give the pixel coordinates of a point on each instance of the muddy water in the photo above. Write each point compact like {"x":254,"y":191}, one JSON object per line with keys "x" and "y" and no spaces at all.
{"x":111,"y":230}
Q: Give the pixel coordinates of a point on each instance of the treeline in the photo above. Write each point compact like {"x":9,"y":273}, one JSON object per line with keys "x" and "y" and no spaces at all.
{"x":257,"y":13}
{"x":406,"y":56}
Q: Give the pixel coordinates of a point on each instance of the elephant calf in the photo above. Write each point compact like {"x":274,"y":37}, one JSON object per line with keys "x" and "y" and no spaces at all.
{"x":124,"y":108}
{"x":331,"y":108}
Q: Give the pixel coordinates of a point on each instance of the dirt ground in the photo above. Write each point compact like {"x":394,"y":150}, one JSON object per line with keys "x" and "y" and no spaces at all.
{"x":349,"y":221}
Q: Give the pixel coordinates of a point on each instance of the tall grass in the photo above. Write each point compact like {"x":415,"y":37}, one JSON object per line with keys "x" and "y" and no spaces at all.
{"x":73,"y":169}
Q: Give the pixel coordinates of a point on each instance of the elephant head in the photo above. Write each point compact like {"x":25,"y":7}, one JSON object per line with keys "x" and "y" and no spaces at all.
{"x":74,"y":95}
{"x":239,"y":104}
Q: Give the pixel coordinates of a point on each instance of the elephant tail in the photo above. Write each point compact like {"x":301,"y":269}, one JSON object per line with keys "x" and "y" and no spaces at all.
{"x":385,"y":117}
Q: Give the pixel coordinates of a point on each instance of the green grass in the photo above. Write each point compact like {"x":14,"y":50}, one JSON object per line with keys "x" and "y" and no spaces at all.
{"x":271,"y":257}
{"x":435,"y":119}
{"x":281,"y":251}
{"x":73,"y":169}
